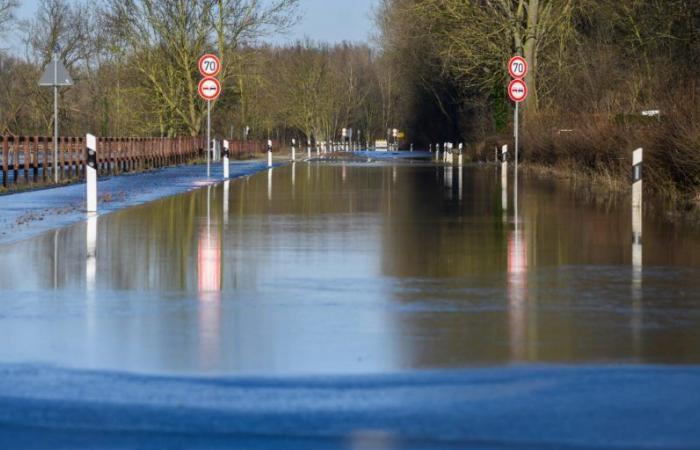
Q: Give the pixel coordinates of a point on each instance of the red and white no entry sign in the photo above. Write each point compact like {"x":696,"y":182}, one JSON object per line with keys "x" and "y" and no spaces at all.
{"x":517,"y":91}
{"x":517,"y":67}
{"x":209,"y":65}
{"x":209,"y":88}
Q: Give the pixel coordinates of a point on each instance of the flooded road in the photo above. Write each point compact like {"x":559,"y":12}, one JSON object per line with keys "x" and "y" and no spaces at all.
{"x":357,"y":268}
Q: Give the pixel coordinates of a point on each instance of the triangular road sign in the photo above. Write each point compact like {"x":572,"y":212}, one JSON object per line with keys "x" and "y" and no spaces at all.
{"x":55,"y":74}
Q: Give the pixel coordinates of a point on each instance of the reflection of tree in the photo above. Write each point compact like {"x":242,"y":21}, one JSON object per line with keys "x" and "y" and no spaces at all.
{"x":427,"y":234}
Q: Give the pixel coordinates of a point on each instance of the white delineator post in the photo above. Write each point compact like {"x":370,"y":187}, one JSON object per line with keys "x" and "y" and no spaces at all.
{"x":294,"y":149}
{"x":437,"y":152}
{"x":308,"y":148}
{"x":461,"y":152}
{"x":637,"y":173}
{"x":226,"y":154}
{"x":91,"y":173}
{"x":269,"y":153}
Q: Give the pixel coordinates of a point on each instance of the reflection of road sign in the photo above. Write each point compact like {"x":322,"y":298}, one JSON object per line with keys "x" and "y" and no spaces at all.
{"x":209,"y":88}
{"x":517,"y":67}
{"x":209,"y":65}
{"x":517,"y":91}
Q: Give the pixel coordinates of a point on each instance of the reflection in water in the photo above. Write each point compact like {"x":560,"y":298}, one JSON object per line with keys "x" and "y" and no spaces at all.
{"x":448,"y":180}
{"x":269,"y":184}
{"x":227,"y":188}
{"x":517,"y":286}
{"x":209,"y":285}
{"x":368,"y":276}
{"x":637,"y":267}
{"x":91,"y":261}
{"x":460,"y":183}
{"x":504,"y":190}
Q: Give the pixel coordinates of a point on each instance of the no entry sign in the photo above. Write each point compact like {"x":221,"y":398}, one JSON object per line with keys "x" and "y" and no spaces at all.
{"x":517,"y":91}
{"x":209,"y":88}
{"x":517,"y":67}
{"x":209,"y":65}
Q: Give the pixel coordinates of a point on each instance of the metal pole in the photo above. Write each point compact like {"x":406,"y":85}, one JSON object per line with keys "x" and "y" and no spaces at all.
{"x":515,"y":200}
{"x":517,"y":117}
{"x":208,"y":136}
{"x":55,"y":118}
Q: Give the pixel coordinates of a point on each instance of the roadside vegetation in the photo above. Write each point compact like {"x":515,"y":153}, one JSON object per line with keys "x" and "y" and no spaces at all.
{"x":595,"y":66}
{"x":134,"y":63}
{"x":436,"y":69}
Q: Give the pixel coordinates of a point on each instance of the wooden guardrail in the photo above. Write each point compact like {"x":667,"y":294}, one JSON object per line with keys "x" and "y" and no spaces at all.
{"x":30,"y":159}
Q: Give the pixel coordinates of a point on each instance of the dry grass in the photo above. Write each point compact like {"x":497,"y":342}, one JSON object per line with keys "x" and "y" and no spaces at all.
{"x":600,"y":149}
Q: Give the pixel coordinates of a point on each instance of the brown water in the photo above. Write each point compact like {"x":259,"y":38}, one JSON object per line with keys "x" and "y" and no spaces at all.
{"x":353,"y":269}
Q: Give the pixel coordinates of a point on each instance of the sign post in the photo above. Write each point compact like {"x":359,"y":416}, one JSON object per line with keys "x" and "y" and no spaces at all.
{"x":517,"y":91}
{"x":209,"y":89}
{"x":55,"y":75}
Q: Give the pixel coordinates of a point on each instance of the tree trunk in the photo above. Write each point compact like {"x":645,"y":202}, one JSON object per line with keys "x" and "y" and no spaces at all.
{"x":530,"y":50}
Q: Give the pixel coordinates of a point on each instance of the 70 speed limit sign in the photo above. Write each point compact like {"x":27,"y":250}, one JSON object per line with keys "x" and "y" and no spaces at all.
{"x":517,"y":67}
{"x":209,"y":65}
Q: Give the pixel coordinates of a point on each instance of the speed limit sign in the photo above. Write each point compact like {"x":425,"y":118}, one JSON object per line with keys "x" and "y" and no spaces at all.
{"x":517,"y":67}
{"x":209,"y":65}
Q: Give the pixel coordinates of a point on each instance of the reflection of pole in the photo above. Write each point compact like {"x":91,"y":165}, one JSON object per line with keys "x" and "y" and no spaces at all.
{"x":269,"y":184}
{"x":461,"y":169}
{"x":209,"y":281}
{"x":91,"y":264}
{"x":226,"y":189}
{"x":55,"y":259}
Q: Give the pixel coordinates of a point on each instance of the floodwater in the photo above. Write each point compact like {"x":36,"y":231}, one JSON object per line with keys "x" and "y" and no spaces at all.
{"x":355,"y":268}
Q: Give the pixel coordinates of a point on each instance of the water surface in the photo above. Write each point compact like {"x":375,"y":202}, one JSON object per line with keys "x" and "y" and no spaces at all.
{"x":356,"y":268}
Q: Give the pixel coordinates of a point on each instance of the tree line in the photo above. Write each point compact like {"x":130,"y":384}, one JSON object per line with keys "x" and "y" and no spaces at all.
{"x":134,"y":63}
{"x":596,"y":67}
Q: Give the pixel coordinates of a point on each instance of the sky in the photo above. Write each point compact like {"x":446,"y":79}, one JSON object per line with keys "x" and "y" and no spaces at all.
{"x":329,"y":21}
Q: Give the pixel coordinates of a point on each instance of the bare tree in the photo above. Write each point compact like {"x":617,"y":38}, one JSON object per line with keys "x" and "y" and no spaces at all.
{"x":165,"y":38}
{"x":7,"y":8}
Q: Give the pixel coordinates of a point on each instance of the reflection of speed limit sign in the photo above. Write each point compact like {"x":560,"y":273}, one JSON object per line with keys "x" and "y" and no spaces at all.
{"x":517,"y":67}
{"x":209,"y":88}
{"x":209,"y":65}
{"x":517,"y":91}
